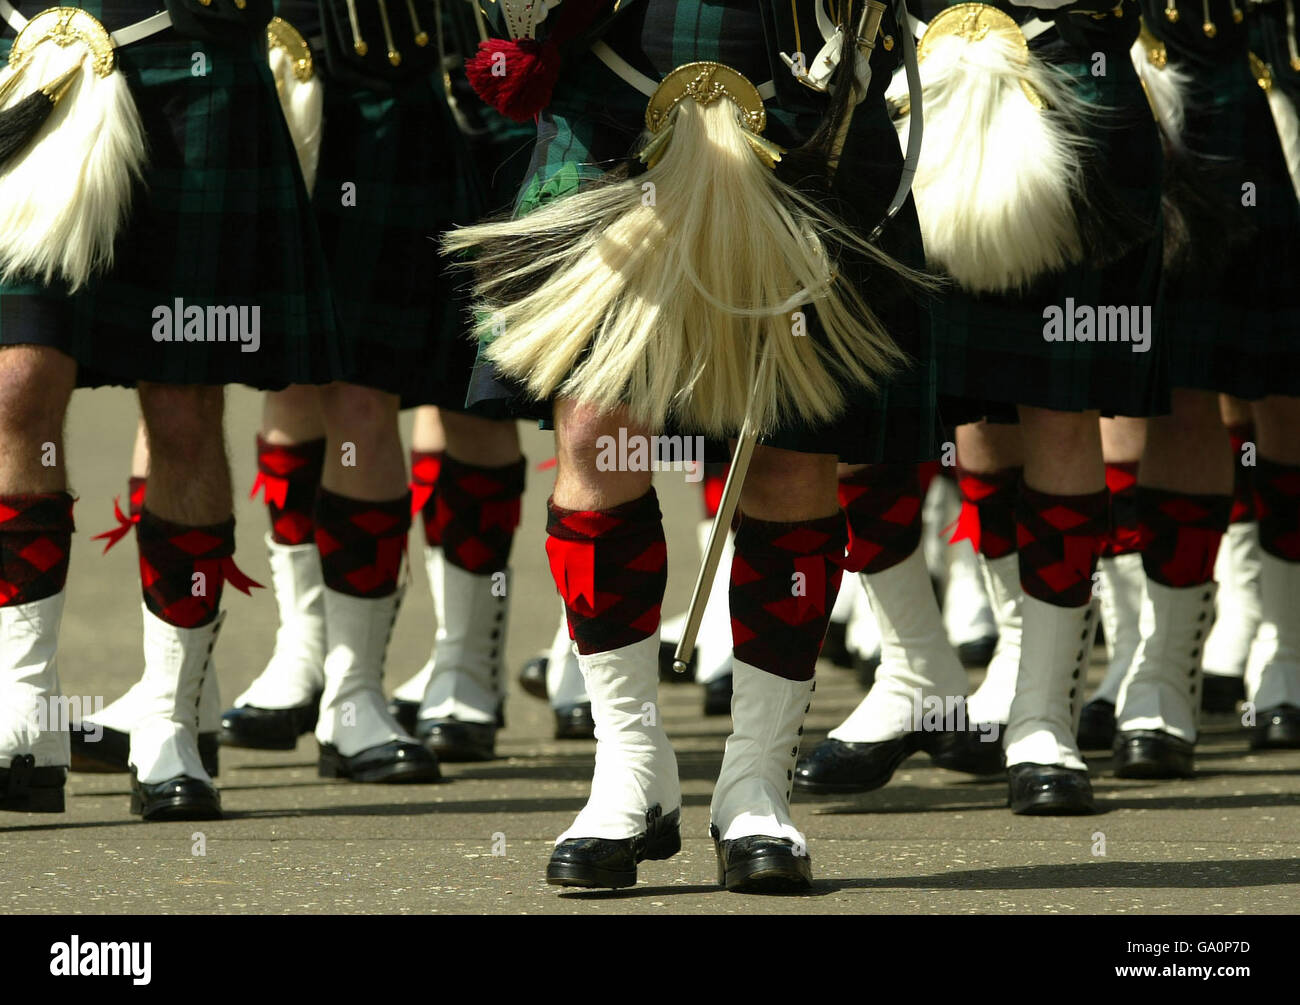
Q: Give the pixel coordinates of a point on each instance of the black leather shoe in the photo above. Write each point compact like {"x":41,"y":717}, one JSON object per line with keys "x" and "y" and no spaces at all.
{"x":667,"y":675}
{"x":532,"y":677}
{"x":975,"y":751}
{"x":835,"y":646}
{"x":268,"y":728}
{"x":717,"y":696}
{"x":865,"y":667}
{"x":836,"y":766}
{"x":1277,"y":728}
{"x":1220,"y":693}
{"x":25,"y":788}
{"x":393,"y":763}
{"x":1048,"y":790}
{"x":1097,"y":725}
{"x":179,"y":798}
{"x":405,"y":712}
{"x":607,"y":864}
{"x":975,"y":655}
{"x":452,"y":741}
{"x":1152,"y":753}
{"x":762,"y":864}
{"x":574,"y":722}
{"x":110,"y":753}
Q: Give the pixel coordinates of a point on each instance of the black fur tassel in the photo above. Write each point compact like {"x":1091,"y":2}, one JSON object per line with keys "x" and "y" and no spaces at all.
{"x":20,"y":124}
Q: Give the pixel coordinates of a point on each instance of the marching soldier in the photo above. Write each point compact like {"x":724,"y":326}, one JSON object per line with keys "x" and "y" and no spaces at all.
{"x":637,"y":293}
{"x":156,"y":234}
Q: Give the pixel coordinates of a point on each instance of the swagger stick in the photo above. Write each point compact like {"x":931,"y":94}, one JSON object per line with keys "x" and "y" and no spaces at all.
{"x":721,"y":525}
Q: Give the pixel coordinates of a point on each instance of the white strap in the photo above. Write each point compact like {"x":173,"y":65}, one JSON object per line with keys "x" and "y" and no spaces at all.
{"x":124,"y":36}
{"x":141,"y":29}
{"x":15,"y":20}
{"x":633,"y":77}
{"x":916,"y":122}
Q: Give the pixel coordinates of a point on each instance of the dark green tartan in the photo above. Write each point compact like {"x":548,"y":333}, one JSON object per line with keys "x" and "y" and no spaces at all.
{"x":595,"y":119}
{"x":992,"y":353}
{"x":221,"y":219}
{"x":404,"y":313}
{"x":1238,"y":323}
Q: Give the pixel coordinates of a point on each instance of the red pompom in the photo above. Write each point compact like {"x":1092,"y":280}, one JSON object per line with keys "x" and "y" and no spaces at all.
{"x":515,"y":77}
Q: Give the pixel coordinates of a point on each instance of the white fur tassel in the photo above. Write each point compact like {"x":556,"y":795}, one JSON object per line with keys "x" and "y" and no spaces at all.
{"x":1166,"y":91}
{"x":661,"y":292}
{"x":64,"y":198}
{"x":301,"y":101}
{"x":998,"y":179}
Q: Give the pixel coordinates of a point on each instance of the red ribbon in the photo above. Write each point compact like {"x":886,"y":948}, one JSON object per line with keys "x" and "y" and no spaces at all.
{"x":276,"y":489}
{"x":966,"y":527}
{"x":420,"y":494}
{"x":124,"y":525}
{"x":225,"y":570}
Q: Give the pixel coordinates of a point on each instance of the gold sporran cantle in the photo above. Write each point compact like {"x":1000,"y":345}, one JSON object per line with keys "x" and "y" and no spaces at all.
{"x":71,"y":147}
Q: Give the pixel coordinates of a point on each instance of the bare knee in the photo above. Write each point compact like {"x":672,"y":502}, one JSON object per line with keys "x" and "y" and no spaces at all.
{"x":786,"y":485}
{"x":362,"y":415}
{"x":35,"y":385}
{"x":487,"y":442}
{"x":184,"y":422}
{"x":583,"y":436}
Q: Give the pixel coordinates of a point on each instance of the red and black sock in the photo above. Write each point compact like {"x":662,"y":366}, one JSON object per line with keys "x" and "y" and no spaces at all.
{"x":35,"y":540}
{"x":1058,"y":538}
{"x":1277,"y":501}
{"x":183,"y":569}
{"x":1180,"y":535}
{"x":883,"y":506}
{"x":611,"y":567}
{"x":988,"y":510}
{"x":425,"y":466}
{"x":476,"y":511}
{"x":784,"y":580}
{"x":361,"y":543}
{"x":290,"y":475}
{"x":1243,"y":478}
{"x":1125,"y":532}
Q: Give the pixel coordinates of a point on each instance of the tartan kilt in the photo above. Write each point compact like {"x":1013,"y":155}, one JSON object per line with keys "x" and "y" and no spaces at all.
{"x":403,"y":312}
{"x":221,"y":218}
{"x":993,"y":354}
{"x":1237,"y":319}
{"x":592,"y":125}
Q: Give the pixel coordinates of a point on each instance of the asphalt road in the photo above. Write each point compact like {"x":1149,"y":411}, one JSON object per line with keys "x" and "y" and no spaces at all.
{"x":931,"y":842}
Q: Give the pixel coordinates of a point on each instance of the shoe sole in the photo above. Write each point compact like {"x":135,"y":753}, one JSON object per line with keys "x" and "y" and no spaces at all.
{"x":397,"y":774}
{"x":769,"y":874}
{"x":175,"y":808}
{"x":573,"y":874}
{"x":1048,"y":804}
